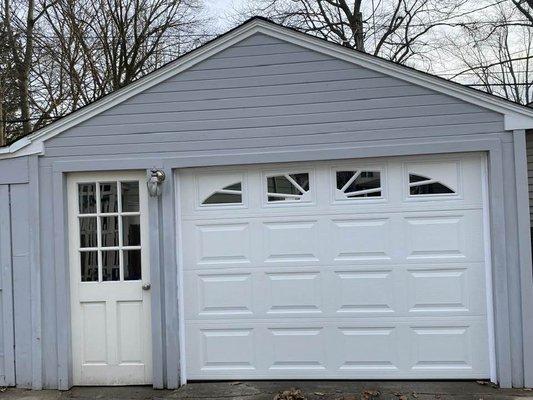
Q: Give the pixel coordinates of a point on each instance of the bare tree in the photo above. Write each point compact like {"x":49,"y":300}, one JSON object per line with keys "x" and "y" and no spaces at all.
{"x":495,"y":54}
{"x":64,"y":54}
{"x":107,"y":44}
{"x":398,"y":30}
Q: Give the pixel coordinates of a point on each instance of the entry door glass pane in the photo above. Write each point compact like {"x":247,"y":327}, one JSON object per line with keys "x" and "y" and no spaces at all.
{"x":109,"y":231}
{"x":87,"y":198}
{"x":108,"y":197}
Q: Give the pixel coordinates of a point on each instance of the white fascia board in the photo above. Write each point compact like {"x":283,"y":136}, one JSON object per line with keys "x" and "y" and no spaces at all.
{"x":515,"y":116}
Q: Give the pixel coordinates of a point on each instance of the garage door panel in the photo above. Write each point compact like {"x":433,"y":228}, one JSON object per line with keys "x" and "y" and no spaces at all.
{"x":364,"y":291}
{"x":361,"y":239}
{"x":446,"y":289}
{"x":444,"y":236}
{"x":460,"y":346}
{"x":296,"y":292}
{"x":364,"y":288}
{"x":291,"y":241}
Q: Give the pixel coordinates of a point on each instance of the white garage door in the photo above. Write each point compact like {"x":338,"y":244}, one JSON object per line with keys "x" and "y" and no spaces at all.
{"x":350,"y":269}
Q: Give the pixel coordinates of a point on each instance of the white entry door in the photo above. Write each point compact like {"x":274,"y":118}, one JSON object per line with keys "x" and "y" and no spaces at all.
{"x":354,"y":269}
{"x":110,"y":279}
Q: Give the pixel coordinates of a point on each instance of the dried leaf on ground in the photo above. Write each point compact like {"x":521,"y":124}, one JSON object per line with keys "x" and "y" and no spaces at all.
{"x":371,"y":394}
{"x":291,"y":394}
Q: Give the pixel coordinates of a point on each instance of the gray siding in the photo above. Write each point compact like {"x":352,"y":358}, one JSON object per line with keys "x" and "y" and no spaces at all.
{"x":14,"y":286}
{"x":529,"y":145}
{"x":265,"y":94}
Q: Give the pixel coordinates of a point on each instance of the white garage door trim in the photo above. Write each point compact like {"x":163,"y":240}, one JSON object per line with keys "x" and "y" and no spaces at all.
{"x":486,"y":242}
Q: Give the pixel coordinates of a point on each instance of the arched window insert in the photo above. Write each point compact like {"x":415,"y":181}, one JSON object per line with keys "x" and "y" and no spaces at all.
{"x":287,"y":187}
{"x":359,"y":183}
{"x":231,"y":194}
{"x":421,"y":185}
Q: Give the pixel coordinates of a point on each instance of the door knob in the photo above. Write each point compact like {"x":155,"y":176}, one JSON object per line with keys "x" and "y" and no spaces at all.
{"x":147,"y":286}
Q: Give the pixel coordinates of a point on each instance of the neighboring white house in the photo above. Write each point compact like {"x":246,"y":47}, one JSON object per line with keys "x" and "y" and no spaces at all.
{"x":311,"y":212}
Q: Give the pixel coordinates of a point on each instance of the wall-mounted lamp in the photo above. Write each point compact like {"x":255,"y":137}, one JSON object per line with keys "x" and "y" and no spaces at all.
{"x":155,"y":181}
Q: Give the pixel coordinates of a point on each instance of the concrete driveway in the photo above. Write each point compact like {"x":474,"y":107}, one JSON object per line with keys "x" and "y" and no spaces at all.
{"x":308,"y":390}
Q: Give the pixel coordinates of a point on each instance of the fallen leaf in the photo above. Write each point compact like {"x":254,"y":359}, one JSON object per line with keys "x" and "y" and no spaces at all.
{"x":370,"y":394}
{"x":291,"y":394}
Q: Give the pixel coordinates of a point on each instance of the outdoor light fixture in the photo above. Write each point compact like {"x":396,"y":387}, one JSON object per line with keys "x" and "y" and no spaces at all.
{"x":155,"y":181}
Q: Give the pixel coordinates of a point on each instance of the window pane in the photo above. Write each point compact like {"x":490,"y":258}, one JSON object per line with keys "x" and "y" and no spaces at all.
{"x":110,"y":265}
{"x":281,"y":185}
{"x":88,"y":232}
{"x":366,"y":180}
{"x":417,"y":178}
{"x":130,"y":196}
{"x":223,"y":198}
{"x":109,"y":226}
{"x":87,"y":198}
{"x":108,"y":197}
{"x":131,"y":230}
{"x":235,"y":186}
{"x":302,"y":180}
{"x":89,"y":266}
{"x":343,"y":177}
{"x":432,"y":188}
{"x":132,"y":265}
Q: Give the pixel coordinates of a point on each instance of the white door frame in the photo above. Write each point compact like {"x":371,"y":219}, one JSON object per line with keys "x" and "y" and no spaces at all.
{"x":488,"y":270}
{"x":488,"y":267}
{"x":133,"y":286}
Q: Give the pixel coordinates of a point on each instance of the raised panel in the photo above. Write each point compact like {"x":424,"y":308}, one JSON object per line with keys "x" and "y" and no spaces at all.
{"x":437,"y":290}
{"x":364,"y":291}
{"x":368,"y":348}
{"x":227,"y":349}
{"x":224,"y":294}
{"x":298,"y":348}
{"x":441,"y":347}
{"x":435,"y":237}
{"x":130,"y":332}
{"x":94,"y":333}
{"x":223,"y":243}
{"x":360,"y":239}
{"x":294,"y":292}
{"x":290,"y":241}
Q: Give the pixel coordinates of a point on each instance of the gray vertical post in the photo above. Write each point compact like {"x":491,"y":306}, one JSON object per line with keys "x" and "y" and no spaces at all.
{"x":156,"y":277}
{"x":524,"y":248}
{"x":35,"y":271}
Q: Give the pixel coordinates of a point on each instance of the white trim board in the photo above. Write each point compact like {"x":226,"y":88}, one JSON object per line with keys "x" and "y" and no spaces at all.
{"x":515,"y":116}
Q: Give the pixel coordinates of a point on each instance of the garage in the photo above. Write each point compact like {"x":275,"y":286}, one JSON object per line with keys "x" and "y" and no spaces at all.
{"x":347,"y":269}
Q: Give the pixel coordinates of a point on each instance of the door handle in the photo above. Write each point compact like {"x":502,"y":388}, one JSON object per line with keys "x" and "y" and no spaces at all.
{"x":147,"y":286}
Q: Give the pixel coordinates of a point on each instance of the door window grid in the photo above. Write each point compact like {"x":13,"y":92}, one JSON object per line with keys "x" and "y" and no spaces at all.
{"x":100,"y":249}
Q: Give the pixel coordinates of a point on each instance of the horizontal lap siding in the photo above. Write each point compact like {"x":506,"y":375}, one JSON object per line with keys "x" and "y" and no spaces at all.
{"x":529,"y":145}
{"x":268,"y":94}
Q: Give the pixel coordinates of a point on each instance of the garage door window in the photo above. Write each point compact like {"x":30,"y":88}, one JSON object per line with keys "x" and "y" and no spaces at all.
{"x":422,"y":185}
{"x":358,"y":184}
{"x":231,"y":194}
{"x":287,"y":187}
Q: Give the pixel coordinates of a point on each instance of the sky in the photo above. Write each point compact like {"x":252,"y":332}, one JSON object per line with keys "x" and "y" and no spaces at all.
{"x":220,"y":9}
